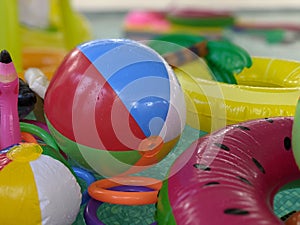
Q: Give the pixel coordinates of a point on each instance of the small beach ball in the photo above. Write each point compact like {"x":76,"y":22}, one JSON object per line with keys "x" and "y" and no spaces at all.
{"x":36,"y":189}
{"x":115,"y":104}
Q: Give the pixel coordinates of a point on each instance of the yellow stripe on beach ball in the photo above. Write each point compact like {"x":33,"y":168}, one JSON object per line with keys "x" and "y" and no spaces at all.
{"x":18,"y":195}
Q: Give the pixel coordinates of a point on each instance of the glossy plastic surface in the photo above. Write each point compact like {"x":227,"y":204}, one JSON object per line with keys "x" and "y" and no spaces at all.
{"x":39,"y":183}
{"x":109,"y":97}
{"x":234,"y":173}
{"x":269,"y":88}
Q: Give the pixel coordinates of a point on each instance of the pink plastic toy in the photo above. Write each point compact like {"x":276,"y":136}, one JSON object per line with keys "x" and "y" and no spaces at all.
{"x":231,"y":176}
{"x":9,"y":86}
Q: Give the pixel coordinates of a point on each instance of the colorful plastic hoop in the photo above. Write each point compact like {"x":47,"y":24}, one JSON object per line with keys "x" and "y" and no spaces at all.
{"x":99,"y":190}
{"x":39,"y":132}
{"x":90,"y":212}
{"x":88,"y":178}
{"x":27,"y":137}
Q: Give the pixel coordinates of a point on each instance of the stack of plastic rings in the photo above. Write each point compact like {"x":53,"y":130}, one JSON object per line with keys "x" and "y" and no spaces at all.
{"x":129,"y":190}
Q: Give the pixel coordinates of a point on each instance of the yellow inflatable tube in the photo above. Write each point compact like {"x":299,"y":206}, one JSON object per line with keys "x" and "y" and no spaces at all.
{"x":271,"y":87}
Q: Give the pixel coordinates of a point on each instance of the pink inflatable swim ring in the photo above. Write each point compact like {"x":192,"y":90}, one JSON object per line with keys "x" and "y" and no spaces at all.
{"x":231,"y":177}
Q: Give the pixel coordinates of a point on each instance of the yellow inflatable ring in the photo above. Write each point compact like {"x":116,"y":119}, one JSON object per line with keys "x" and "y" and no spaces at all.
{"x":271,"y":87}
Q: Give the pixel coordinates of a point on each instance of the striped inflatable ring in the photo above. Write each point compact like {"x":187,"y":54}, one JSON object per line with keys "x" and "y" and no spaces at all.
{"x":231,"y":177}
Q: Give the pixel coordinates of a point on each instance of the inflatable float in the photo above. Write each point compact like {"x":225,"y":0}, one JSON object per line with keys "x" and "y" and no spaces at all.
{"x":279,"y":95}
{"x":31,"y":163}
{"x":112,"y":121}
{"x":38,"y":33}
{"x":224,"y":85}
{"x":296,"y":134}
{"x":269,"y":88}
{"x":231,"y":176}
{"x":28,"y":175}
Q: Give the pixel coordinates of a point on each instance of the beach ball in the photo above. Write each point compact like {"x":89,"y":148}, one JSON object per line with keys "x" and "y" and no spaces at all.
{"x":36,"y":188}
{"x":114,"y":105}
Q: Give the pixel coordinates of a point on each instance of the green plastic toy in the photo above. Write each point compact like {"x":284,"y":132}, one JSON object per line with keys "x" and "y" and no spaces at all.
{"x":223,"y":58}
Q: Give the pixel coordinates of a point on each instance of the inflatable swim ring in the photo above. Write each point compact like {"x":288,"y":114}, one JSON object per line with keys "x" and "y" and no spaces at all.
{"x":296,"y":134}
{"x":232,"y":176}
{"x":269,"y":88}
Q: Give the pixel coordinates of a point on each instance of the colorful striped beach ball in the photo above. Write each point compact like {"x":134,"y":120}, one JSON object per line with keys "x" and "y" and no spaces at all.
{"x":114,"y":104}
{"x":36,"y":188}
